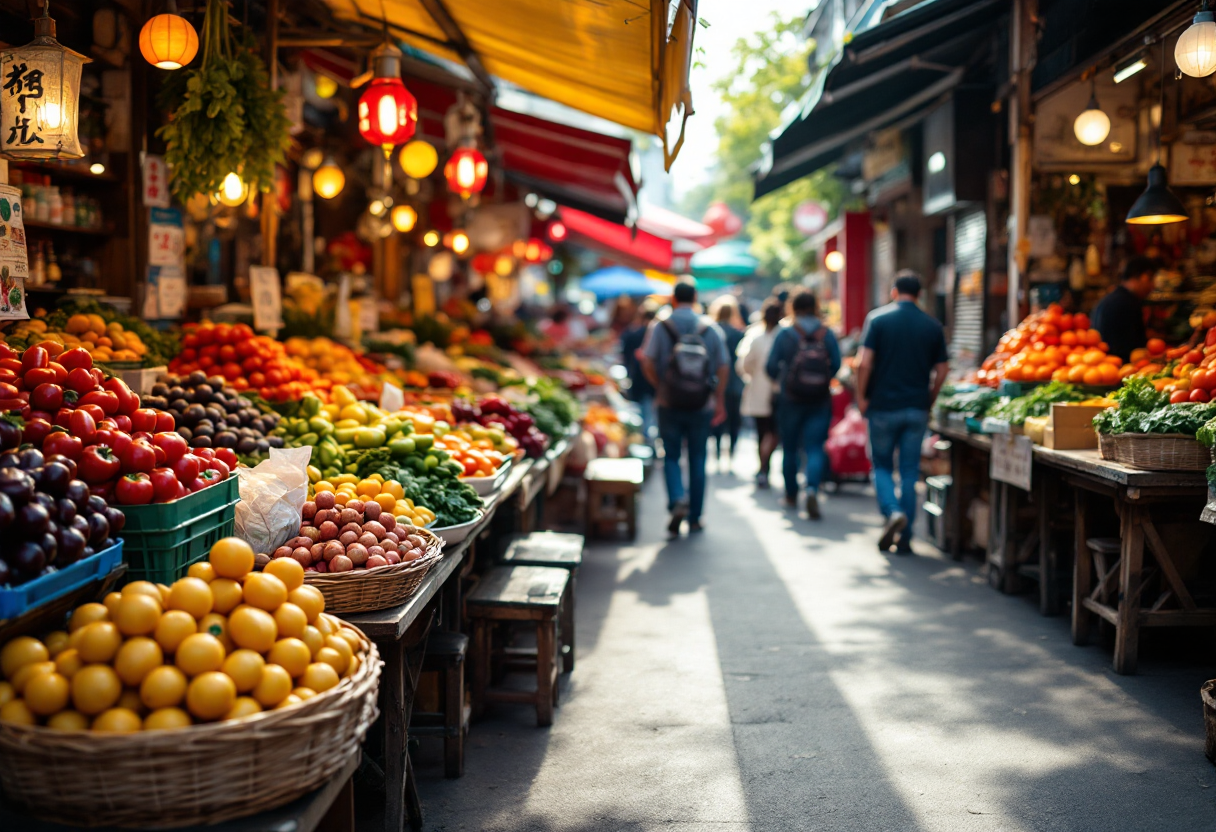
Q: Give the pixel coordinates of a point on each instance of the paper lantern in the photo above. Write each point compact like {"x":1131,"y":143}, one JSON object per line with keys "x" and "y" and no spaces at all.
{"x":1195,"y":52}
{"x":1092,"y":126}
{"x":168,"y":41}
{"x":418,"y":159}
{"x":404,"y":218}
{"x":328,"y":180}
{"x":388,"y":113}
{"x":325,"y":86}
{"x":233,"y":190}
{"x":40,"y":97}
{"x":466,"y":171}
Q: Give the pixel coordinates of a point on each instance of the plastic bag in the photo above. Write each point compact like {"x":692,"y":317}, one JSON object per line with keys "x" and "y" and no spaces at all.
{"x":272,"y":498}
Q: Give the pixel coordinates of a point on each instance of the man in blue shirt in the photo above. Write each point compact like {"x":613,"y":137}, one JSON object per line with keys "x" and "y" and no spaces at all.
{"x":802,"y":424}
{"x":679,"y":423}
{"x":902,"y":365}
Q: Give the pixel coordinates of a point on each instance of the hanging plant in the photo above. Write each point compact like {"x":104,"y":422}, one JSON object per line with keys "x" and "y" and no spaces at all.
{"x":223,"y":115}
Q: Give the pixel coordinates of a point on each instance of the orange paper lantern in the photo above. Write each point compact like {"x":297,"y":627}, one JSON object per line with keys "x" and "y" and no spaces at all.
{"x":168,"y":41}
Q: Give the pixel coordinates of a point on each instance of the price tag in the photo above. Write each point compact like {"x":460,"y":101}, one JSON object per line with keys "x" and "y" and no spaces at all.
{"x":14,"y":265}
{"x":1012,"y":459}
{"x":156,"y":181}
{"x":267,"y":298}
{"x":171,"y":291}
{"x":166,"y":238}
{"x":392,"y":398}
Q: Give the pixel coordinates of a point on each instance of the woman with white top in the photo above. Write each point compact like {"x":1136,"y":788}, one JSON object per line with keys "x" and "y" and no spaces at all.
{"x":758,"y":389}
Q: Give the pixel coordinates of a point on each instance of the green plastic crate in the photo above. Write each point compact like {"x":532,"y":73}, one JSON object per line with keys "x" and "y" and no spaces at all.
{"x":162,"y":554}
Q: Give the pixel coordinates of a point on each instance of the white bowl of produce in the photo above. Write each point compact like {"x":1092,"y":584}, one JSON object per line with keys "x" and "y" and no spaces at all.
{"x":456,"y":534}
{"x":488,"y":485}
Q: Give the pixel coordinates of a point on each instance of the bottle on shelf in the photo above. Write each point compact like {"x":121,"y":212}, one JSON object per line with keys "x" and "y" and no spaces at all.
{"x":38,"y":266}
{"x":55,"y":206}
{"x":69,"y":207}
{"x":53,"y":273}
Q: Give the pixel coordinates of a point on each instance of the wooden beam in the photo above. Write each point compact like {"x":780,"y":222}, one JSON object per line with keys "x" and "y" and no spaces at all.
{"x":439,"y":13}
{"x":270,"y":201}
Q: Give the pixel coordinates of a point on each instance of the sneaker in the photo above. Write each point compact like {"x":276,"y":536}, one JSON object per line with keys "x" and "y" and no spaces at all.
{"x":695,"y":526}
{"x":812,"y":505}
{"x":789,"y":502}
{"x":678,"y":512}
{"x":894,"y":525}
{"x":904,"y":548}
{"x":761,"y":480}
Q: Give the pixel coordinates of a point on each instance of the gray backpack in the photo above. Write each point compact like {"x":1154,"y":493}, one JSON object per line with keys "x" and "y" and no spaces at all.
{"x":687,"y":381}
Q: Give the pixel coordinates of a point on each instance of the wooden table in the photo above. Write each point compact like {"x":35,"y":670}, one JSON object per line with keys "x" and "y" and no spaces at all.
{"x":330,"y":808}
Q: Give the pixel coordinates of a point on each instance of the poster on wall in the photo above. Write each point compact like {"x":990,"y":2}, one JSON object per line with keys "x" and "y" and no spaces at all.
{"x":266,"y":294}
{"x":14,"y":264}
{"x":1193,"y":161}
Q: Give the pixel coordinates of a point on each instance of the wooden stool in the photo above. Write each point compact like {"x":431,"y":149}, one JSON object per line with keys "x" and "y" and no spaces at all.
{"x":615,"y":482}
{"x":563,"y":551}
{"x":518,"y":593}
{"x":1106,"y":552}
{"x":445,"y":654}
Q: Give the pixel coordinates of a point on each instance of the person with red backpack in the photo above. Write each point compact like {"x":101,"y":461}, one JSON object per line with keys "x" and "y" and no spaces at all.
{"x":684,"y":357}
{"x":805,"y":358}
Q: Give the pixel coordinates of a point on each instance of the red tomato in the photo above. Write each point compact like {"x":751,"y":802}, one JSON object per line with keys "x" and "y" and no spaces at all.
{"x":1199,"y":395}
{"x":134,"y":490}
{"x":144,"y":419}
{"x":205,"y":454}
{"x":123,"y":423}
{"x":1179,"y":396}
{"x":190,"y":341}
{"x":76,"y":357}
{"x":83,"y":425}
{"x":93,"y":410}
{"x":227,"y":456}
{"x":35,"y":431}
{"x":61,"y":442}
{"x":137,"y":457}
{"x":164,"y":485}
{"x":105,"y":399}
{"x":1192,"y":357}
{"x":219,"y":468}
{"x":81,"y":380}
{"x":186,"y":468}
{"x":99,"y":464}
{"x":34,"y":358}
{"x":41,"y":375}
{"x":173,"y":444}
{"x":115,"y":440}
{"x":164,"y":421}
{"x":128,"y":401}
{"x":47,"y":396}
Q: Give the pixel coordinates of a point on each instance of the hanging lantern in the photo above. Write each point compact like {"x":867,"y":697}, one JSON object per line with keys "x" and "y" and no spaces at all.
{"x":325,"y":86}
{"x":466,"y":171}
{"x":458,"y":242}
{"x":233,"y":190}
{"x":431,"y":238}
{"x":168,"y":41}
{"x":388,"y":113}
{"x":418,"y":159}
{"x":1195,"y":52}
{"x":1092,"y":126}
{"x":404,"y":218}
{"x":40,"y":97}
{"x":328,"y":180}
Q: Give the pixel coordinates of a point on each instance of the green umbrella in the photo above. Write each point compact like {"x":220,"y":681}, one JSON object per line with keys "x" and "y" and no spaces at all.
{"x":729,"y":259}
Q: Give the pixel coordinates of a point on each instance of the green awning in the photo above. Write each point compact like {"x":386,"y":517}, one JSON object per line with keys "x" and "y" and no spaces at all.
{"x":732,"y":258}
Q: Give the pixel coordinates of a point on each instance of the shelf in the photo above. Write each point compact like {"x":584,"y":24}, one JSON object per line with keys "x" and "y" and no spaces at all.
{"x":68,"y":229}
{"x":74,"y":172}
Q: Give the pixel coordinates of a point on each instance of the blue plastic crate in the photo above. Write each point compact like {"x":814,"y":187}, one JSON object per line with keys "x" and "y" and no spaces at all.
{"x":20,"y":599}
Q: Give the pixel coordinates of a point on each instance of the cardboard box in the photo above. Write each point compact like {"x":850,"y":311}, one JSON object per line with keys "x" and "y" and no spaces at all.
{"x":1071,"y":427}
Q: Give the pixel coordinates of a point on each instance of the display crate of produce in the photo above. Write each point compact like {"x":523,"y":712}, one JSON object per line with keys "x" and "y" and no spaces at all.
{"x":162,"y":541}
{"x":22,"y":598}
{"x":485,"y":486}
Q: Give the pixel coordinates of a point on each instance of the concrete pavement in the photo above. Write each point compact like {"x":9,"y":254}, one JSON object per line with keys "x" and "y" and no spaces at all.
{"x":777,"y":674}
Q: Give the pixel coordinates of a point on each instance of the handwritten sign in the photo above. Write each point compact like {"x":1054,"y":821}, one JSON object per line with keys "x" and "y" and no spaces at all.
{"x":166,"y":238}
{"x":1012,"y":459}
{"x":14,"y":265}
{"x":265,"y":292}
{"x":156,"y":181}
{"x":171,"y":291}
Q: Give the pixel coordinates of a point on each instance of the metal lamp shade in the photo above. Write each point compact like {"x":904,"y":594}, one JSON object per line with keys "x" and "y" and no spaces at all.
{"x":40,"y":100}
{"x":1157,"y":205}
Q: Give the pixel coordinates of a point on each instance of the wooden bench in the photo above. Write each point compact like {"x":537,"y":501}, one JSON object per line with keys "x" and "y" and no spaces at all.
{"x":445,"y":655}
{"x":612,"y":488}
{"x":510,"y":594}
{"x":563,"y":551}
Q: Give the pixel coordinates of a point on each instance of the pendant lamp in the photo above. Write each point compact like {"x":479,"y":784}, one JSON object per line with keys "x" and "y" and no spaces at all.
{"x":1092,"y":126}
{"x":388,"y":112}
{"x":168,"y":41}
{"x":1157,"y":205}
{"x":1195,"y":52}
{"x":466,"y":171}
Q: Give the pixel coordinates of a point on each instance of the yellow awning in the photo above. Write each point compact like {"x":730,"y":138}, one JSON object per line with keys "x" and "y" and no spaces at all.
{"x":612,"y":58}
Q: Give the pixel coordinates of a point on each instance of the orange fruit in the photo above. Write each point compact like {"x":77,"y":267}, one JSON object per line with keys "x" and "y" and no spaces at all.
{"x":98,"y":642}
{"x":290,"y":620}
{"x":320,"y":677}
{"x":136,"y":659}
{"x":198,"y":654}
{"x":217,"y":625}
{"x":95,"y":688}
{"x":273,"y":687}
{"x":144,"y":588}
{"x":173,"y":628}
{"x":56,"y":642}
{"x":226,"y":594}
{"x":313,"y":638}
{"x":68,"y":721}
{"x":342,"y":646}
{"x":252,"y":628}
{"x":68,"y":663}
{"x":1092,"y":376}
{"x":118,"y":721}
{"x":47,"y":693}
{"x":309,"y":599}
{"x":291,"y":654}
{"x":131,"y":701}
{"x":167,"y":719}
{"x":1155,"y":346}
{"x":203,"y":570}
{"x":1076,"y":373}
{"x":1109,"y":373}
{"x":287,"y":570}
{"x":23,"y":676}
{"x":164,"y":687}
{"x":244,"y":667}
{"x":87,"y":614}
{"x":21,"y":651}
{"x":1092,"y":357}
{"x":17,"y":713}
{"x":244,"y":706}
{"x":265,"y":591}
{"x":232,"y":558}
{"x":211,"y":695}
{"x":192,"y":595}
{"x":137,"y":615}
{"x":111,"y":602}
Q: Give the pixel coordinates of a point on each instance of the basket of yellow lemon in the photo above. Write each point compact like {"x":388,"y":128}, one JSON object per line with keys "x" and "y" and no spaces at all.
{"x":229,"y":693}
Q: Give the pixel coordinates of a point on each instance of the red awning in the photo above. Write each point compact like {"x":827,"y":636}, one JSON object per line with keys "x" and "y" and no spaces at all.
{"x":637,"y":249}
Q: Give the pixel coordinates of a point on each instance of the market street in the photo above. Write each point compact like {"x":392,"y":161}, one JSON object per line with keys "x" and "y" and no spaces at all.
{"x":774,"y":674}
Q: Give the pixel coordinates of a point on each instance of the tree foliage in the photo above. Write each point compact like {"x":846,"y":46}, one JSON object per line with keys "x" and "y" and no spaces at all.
{"x":765,"y":81}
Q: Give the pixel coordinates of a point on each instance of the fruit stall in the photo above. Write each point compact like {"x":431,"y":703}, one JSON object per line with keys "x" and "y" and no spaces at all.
{"x":1085,"y":479}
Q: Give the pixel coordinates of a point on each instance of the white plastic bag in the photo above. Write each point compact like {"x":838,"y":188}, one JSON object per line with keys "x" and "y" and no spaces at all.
{"x":272,"y":498}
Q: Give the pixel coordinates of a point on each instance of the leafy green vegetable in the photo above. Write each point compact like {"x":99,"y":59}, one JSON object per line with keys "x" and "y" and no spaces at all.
{"x":1207,"y":434}
{"x":1139,"y":394}
{"x":1037,"y":402}
{"x":1139,"y":403}
{"x":454,"y":502}
{"x":973,"y":402}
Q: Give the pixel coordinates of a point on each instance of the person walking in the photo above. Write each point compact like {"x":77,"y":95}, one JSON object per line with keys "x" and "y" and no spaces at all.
{"x":758,"y":388}
{"x":684,"y":357}
{"x":641,"y":391}
{"x":804,"y":358}
{"x":725,"y":312}
{"x":902,"y":365}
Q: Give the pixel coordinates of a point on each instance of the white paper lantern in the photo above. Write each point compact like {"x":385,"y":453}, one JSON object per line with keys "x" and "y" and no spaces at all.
{"x":40,"y":97}
{"x":1195,"y":52}
{"x":1092,"y":126}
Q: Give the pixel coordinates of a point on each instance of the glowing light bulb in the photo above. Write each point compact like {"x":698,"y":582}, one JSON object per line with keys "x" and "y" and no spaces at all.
{"x":431,"y":238}
{"x":834,"y":261}
{"x":460,"y":242}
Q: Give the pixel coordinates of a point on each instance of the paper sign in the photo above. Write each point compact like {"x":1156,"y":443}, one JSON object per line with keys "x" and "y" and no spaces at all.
{"x":156,"y":181}
{"x":265,"y":292}
{"x":392,"y":398}
{"x":369,"y":315}
{"x":171,"y":291}
{"x":1012,"y":459}
{"x":166,"y":239}
{"x":14,"y":265}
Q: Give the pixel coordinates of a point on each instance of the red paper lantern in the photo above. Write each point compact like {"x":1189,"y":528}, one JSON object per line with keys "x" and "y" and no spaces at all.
{"x":388,"y":113}
{"x":466,"y":171}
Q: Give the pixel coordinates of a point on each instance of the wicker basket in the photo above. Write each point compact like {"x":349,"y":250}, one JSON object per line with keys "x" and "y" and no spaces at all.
{"x":1158,"y":452}
{"x":1209,"y":718}
{"x":193,"y":776}
{"x":367,"y":590}
{"x":1106,"y":446}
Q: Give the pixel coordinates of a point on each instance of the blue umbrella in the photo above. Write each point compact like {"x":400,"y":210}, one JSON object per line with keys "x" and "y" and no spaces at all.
{"x":615,"y":281}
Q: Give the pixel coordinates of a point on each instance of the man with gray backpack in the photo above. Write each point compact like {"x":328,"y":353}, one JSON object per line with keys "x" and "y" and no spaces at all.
{"x":684,"y":357}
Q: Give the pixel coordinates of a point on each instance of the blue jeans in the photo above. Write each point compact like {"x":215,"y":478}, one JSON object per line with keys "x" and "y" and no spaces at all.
{"x":647,"y":407}
{"x":803,"y":429}
{"x":675,"y":428}
{"x":891,"y":430}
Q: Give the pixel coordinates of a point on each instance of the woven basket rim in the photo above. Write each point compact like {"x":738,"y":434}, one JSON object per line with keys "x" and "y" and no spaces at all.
{"x":92,"y":742}
{"x":432,"y":555}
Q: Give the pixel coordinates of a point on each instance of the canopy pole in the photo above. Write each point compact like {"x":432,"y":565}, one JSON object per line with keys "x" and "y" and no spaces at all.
{"x":269,"y":217}
{"x":1021,"y":137}
{"x":444,"y":20}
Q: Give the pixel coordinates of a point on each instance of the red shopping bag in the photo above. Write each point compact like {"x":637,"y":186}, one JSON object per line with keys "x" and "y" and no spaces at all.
{"x":847,"y":446}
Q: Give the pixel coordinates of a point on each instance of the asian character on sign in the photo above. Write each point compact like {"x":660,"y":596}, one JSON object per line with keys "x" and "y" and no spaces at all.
{"x":24,"y":83}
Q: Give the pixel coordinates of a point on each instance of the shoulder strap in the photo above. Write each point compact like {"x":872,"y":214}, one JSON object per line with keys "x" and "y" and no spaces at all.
{"x":671,"y":329}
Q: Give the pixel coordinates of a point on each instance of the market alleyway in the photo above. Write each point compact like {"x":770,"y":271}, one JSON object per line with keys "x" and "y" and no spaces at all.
{"x":774,"y":674}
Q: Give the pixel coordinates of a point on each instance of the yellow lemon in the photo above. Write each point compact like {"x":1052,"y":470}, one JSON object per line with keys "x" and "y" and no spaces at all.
{"x":252,"y":628}
{"x":210,"y":695}
{"x":342,"y":646}
{"x":226,"y":594}
{"x":164,"y":687}
{"x":265,"y":591}
{"x":47,"y":694}
{"x":144,"y":588}
{"x":23,"y":676}
{"x":193,"y":595}
{"x":167,"y":719}
{"x":309,"y":599}
{"x":98,"y":642}
{"x":136,"y":659}
{"x":199,"y":653}
{"x":274,"y":685}
{"x":95,"y":688}
{"x":56,"y":642}
{"x":287,"y":570}
{"x":137,"y":615}
{"x":21,"y":651}
{"x":111,"y":602}
{"x":313,"y":638}
{"x":68,"y":663}
{"x":68,"y":721}
{"x":173,"y":628}
{"x":304,"y":693}
{"x":244,"y":706}
{"x":232,"y":558}
{"x":17,"y":713}
{"x":118,"y":721}
{"x":244,"y":667}
{"x":290,"y":620}
{"x":7,"y":693}
{"x":203,"y":570}
{"x":319,"y":676}
{"x":288,"y":701}
{"x":217,"y":625}
{"x":87,"y":614}
{"x":291,"y":654}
